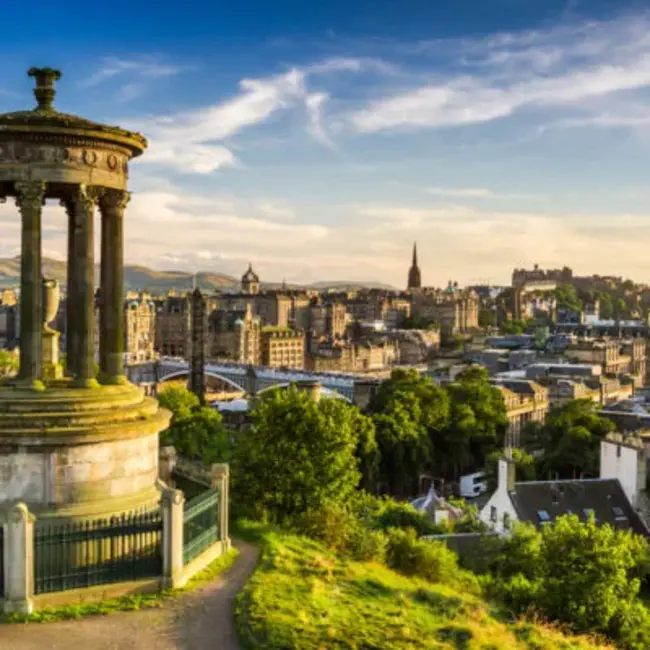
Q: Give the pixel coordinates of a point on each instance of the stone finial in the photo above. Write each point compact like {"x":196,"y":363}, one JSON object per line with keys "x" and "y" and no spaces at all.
{"x":44,"y":91}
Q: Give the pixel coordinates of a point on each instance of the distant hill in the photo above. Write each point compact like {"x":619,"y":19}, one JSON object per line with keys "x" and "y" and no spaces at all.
{"x":157,"y":282}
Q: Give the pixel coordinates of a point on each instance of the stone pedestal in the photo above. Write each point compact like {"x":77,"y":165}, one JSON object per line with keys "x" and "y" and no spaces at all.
{"x":52,"y":368}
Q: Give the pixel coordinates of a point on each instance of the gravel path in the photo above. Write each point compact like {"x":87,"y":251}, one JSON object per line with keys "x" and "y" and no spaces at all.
{"x":201,"y":620}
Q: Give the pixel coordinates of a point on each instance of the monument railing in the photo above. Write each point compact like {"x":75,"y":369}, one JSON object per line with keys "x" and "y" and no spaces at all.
{"x":44,"y":563}
{"x":201,"y":523}
{"x":85,"y":554}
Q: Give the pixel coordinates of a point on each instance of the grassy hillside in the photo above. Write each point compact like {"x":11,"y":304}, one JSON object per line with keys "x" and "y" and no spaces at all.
{"x":305,"y":597}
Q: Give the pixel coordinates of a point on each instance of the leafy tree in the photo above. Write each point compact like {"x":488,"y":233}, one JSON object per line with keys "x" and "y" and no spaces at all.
{"x":567,"y":298}
{"x":179,"y":400}
{"x":299,"y":454}
{"x":477,"y":423}
{"x":408,"y":411}
{"x":580,"y":574}
{"x":513,"y":327}
{"x":524,"y":466}
{"x":588,"y":572}
{"x":570,"y":440}
{"x":8,"y":363}
{"x":606,"y":306}
{"x":485,"y":318}
{"x":197,"y":432}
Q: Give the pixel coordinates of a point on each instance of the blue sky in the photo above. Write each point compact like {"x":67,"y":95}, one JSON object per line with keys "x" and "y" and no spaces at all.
{"x":319,"y":140}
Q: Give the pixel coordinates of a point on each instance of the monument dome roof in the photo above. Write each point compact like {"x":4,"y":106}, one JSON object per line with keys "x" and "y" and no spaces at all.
{"x":44,"y":120}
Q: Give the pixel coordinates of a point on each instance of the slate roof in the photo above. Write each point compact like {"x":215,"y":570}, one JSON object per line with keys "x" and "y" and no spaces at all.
{"x":539,"y":501}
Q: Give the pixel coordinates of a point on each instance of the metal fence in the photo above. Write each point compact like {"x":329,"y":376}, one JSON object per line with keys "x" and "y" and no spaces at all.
{"x":70,"y":556}
{"x":201,"y":527}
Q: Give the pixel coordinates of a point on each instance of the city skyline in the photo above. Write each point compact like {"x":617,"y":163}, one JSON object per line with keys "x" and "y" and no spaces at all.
{"x":321,"y":143}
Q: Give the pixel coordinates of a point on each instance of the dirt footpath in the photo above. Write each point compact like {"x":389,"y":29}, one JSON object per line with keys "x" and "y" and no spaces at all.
{"x":201,"y":620}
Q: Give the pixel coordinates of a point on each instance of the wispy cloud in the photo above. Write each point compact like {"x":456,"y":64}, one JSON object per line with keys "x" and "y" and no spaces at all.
{"x":491,"y":78}
{"x":472,"y":193}
{"x":193,"y":141}
{"x":146,"y":67}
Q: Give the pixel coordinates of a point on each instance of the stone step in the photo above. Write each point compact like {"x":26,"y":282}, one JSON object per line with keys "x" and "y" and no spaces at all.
{"x":38,"y":420}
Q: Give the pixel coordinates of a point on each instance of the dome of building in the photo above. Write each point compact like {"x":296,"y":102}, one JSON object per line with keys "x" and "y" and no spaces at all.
{"x":250,"y":275}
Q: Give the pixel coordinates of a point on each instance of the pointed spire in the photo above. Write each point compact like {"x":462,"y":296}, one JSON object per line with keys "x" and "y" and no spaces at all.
{"x":415,"y":254}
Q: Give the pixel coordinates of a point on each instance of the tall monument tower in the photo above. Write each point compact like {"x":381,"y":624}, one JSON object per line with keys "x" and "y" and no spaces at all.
{"x":84,"y":444}
{"x":415,"y":278}
{"x":197,"y":350}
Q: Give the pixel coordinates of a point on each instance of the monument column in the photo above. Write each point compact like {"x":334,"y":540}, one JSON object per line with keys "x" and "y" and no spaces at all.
{"x":70,"y":330}
{"x":111,"y":334}
{"x":30,"y":196}
{"x":83,"y":202}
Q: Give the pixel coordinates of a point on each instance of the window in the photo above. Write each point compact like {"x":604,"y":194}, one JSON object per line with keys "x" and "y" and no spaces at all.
{"x":618,"y":513}
{"x":618,"y":451}
{"x":493,"y":514}
{"x":543,"y":516}
{"x":506,"y":521}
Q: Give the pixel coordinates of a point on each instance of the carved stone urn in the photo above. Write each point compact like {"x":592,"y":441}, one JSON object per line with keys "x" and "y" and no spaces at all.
{"x":51,"y":301}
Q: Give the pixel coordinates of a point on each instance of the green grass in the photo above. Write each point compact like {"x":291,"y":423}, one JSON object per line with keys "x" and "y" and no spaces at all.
{"x":306,"y":597}
{"x":125,"y":603}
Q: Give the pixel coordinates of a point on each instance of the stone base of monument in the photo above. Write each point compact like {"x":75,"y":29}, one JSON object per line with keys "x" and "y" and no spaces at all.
{"x":72,"y":454}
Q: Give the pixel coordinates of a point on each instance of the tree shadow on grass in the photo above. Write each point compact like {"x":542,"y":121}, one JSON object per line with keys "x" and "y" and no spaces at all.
{"x":459,"y":636}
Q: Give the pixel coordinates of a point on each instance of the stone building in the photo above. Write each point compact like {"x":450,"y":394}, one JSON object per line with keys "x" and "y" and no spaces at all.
{"x":327,"y":319}
{"x":139,"y":328}
{"x":341,"y":355}
{"x":526,"y":401}
{"x":390,"y":308}
{"x":234,"y":336}
{"x":618,"y":358}
{"x":250,"y":282}
{"x":173,"y":319}
{"x":282,"y":347}
{"x":454,"y":309}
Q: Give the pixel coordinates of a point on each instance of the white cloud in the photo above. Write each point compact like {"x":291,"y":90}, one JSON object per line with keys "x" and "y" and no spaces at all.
{"x":147,"y":67}
{"x":276,"y":212}
{"x":471,"y":193}
{"x":566,"y":66}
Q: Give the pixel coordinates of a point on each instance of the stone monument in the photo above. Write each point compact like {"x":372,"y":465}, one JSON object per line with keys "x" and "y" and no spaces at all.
{"x":85,"y":444}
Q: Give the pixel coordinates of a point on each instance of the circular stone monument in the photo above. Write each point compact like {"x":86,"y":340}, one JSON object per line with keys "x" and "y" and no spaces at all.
{"x":74,"y":443}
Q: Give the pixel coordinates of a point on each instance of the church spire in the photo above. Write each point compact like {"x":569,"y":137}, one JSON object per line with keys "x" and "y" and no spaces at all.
{"x":414,"y":279}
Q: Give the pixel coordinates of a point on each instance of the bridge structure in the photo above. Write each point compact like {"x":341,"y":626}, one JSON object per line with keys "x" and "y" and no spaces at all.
{"x":251,"y":379}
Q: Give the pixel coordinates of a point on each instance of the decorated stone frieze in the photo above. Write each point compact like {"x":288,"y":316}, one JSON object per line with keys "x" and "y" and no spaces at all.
{"x":24,"y":153}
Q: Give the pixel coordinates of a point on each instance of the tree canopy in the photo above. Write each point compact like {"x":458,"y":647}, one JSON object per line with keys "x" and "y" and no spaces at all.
{"x":196,"y":431}
{"x":408,"y":410}
{"x":569,"y":440}
{"x":300,"y":454}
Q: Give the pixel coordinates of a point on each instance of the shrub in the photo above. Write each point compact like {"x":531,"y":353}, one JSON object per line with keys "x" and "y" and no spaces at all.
{"x":342,"y":530}
{"x":430,"y":560}
{"x":404,"y":515}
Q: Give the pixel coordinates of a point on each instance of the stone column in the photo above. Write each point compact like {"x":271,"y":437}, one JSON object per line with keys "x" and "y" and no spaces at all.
{"x":83,"y":201}
{"x":19,"y":560}
{"x":221,"y":479}
{"x":111,"y":332}
{"x":172,"y":503}
{"x":70,"y":330}
{"x":30,"y":196}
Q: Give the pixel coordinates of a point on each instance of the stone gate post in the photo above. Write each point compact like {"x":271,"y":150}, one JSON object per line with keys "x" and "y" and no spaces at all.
{"x":172,"y":503}
{"x":19,"y":560}
{"x":220,"y":473}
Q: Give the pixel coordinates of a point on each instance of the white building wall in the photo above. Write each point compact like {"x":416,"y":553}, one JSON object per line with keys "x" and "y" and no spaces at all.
{"x":622,"y":462}
{"x":501,"y":503}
